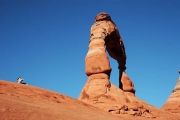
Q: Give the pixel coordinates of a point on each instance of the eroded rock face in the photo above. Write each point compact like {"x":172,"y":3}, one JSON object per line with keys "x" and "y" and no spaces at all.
{"x":173,"y":102}
{"x":105,"y":36}
{"x":106,"y":96}
{"x":99,"y":91}
{"x":127,"y":84}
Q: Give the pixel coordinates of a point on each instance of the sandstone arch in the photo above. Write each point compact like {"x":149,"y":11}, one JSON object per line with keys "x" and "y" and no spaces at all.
{"x":106,"y":37}
{"x":98,"y":90}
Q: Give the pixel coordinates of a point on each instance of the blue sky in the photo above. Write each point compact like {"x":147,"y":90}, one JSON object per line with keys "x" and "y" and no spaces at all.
{"x":46,"y":41}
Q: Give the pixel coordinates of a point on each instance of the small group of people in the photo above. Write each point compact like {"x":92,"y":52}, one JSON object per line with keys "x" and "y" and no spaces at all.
{"x":20,"y":81}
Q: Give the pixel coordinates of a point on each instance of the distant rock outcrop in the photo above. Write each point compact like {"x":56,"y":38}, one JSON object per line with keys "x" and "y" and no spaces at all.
{"x":173,"y":102}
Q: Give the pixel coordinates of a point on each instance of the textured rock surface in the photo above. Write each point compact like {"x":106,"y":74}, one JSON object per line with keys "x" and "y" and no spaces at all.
{"x":105,"y":36}
{"x":108,"y":97}
{"x":127,"y":84}
{"x":26,"y":102}
{"x":173,"y":102}
{"x":99,"y":91}
{"x":22,"y":102}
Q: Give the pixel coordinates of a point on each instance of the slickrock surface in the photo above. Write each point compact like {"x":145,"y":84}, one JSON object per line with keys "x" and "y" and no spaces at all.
{"x":22,"y":102}
{"x":25,"y":102}
{"x":116,"y":102}
{"x":173,"y":102}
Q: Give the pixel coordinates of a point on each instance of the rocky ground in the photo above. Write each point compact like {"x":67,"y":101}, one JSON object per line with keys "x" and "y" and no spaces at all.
{"x":26,"y":102}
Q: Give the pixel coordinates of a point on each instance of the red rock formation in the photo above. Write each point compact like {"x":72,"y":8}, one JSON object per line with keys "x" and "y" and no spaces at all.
{"x":105,"y":36}
{"x":26,"y":102}
{"x":173,"y":102}
{"x":99,"y":91}
{"x":127,"y":85}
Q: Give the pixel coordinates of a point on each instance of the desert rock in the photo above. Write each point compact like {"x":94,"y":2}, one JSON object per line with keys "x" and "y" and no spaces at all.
{"x":26,"y":102}
{"x":106,"y":37}
{"x":99,"y":91}
{"x":173,"y":102}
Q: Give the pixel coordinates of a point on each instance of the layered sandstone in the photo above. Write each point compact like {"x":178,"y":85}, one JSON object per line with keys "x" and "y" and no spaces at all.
{"x":105,"y":36}
{"x":173,"y":102}
{"x":106,"y":96}
{"x":99,"y":91}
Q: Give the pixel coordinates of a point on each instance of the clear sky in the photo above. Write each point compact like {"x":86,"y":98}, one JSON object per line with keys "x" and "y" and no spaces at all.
{"x":46,"y":41}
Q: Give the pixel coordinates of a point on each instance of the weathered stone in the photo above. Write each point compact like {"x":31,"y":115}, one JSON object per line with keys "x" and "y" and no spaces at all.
{"x":148,"y":115}
{"x":127,"y":84}
{"x":122,"y":111}
{"x":131,"y":112}
{"x":97,"y":64}
{"x":115,"y":111}
{"x":173,"y":102}
{"x":103,"y":92}
{"x":105,"y":36}
{"x":110,"y":108}
{"x":98,"y":90}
